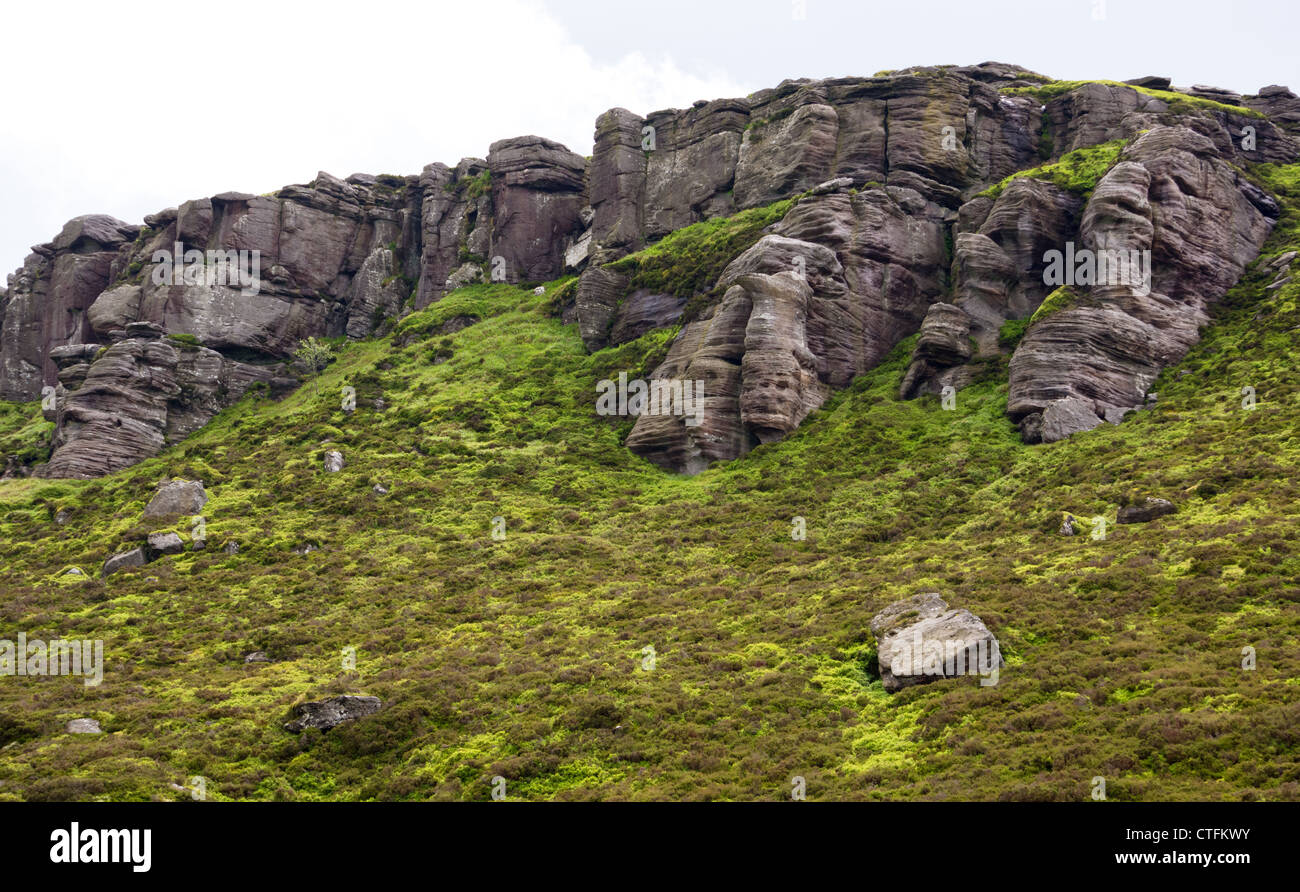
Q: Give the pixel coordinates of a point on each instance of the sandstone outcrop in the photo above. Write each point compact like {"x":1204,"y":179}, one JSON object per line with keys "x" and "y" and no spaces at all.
{"x":890,"y":234}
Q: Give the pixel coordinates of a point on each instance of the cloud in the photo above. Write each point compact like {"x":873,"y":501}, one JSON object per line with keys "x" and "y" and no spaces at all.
{"x":125,"y":113}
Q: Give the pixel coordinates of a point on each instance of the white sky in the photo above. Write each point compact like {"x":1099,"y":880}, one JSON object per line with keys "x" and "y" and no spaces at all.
{"x":127,"y":110}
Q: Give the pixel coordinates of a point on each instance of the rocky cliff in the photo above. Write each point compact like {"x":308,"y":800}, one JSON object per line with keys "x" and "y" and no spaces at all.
{"x":921,"y":201}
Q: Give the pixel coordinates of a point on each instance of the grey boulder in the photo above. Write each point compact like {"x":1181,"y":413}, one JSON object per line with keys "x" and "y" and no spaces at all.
{"x":325,"y":714}
{"x":921,"y":640}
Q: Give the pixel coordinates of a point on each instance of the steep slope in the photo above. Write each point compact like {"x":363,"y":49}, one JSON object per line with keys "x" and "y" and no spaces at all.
{"x":526,"y":656}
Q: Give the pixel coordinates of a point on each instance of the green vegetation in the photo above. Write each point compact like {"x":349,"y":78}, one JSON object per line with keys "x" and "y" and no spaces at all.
{"x":24,"y":435}
{"x":524,"y":657}
{"x":1179,"y":103}
{"x":1011,"y":332}
{"x":183,"y":340}
{"x":684,"y":262}
{"x":1058,"y":300}
{"x":1079,"y":171}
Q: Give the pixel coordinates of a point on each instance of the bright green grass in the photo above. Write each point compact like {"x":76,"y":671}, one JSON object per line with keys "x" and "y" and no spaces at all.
{"x":1079,"y":171}
{"x":522,"y":658}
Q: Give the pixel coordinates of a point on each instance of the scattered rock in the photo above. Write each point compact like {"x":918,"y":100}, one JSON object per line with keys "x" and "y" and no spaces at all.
{"x":176,"y":498}
{"x":325,"y":714}
{"x":165,"y":543}
{"x":136,"y":557}
{"x":62,"y":516}
{"x":379,"y":489}
{"x":540,"y":289}
{"x":231,"y":547}
{"x":333,"y":461}
{"x":1148,"y":510}
{"x":1067,"y":526}
{"x":920,"y":640}
{"x":257,"y":656}
{"x":84,"y":726}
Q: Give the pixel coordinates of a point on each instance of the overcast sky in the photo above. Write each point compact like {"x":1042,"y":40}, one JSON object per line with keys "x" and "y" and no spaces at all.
{"x":127,"y":110}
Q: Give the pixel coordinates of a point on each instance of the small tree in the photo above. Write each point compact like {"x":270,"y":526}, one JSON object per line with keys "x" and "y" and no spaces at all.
{"x":315,"y":355}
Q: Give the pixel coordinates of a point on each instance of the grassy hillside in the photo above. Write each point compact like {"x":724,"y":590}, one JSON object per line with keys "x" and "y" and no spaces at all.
{"x":524,"y":657}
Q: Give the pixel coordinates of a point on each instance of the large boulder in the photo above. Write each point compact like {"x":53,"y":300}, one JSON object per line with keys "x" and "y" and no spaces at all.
{"x":1145,"y":511}
{"x":922,"y":640}
{"x":326,"y":714}
{"x":136,"y":557}
{"x":175,"y":498}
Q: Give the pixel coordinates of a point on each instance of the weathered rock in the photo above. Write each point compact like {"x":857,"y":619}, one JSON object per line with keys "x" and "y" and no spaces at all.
{"x":1171,"y":194}
{"x":377,"y":293}
{"x":921,"y":640}
{"x":1151,"y":81}
{"x":165,"y":543}
{"x":537,"y":202}
{"x":1280,"y":105}
{"x":465,"y":274}
{"x":133,"y":398}
{"x":136,"y":557}
{"x":1147,"y":510}
{"x":1068,"y":527}
{"x":1063,"y":418}
{"x":177,"y":497}
{"x":257,"y":656}
{"x":47,"y":299}
{"x":759,"y":377}
{"x":84,"y":726}
{"x":600,"y":291}
{"x":333,"y":461}
{"x":943,"y":345}
{"x":326,"y":714}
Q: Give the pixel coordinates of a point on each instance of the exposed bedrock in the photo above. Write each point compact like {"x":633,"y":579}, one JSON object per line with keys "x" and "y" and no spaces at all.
{"x":1171,"y":194}
{"x":890,"y":237}
{"x":759,"y":381}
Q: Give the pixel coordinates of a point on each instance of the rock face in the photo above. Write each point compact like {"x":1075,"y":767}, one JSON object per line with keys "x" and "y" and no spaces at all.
{"x":1171,"y":195}
{"x":921,"y":640}
{"x":822,"y":299}
{"x":759,"y":380}
{"x":890,"y":234}
{"x":48,"y":299}
{"x":326,"y":714}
